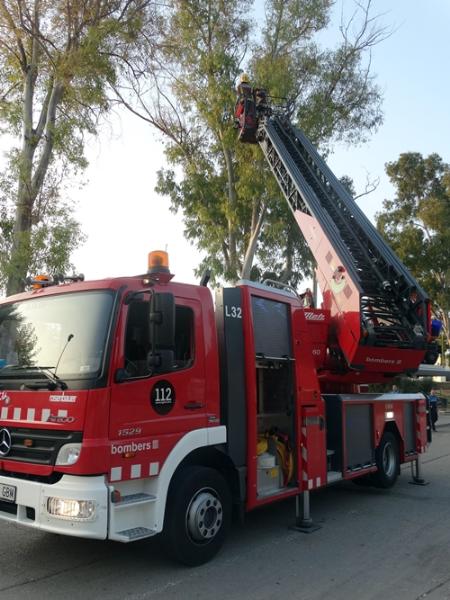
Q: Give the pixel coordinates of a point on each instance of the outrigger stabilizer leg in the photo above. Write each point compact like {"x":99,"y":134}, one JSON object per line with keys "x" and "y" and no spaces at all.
{"x":416,"y":475}
{"x":303,"y":520}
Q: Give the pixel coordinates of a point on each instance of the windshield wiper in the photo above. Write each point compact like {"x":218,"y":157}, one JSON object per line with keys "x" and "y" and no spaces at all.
{"x":52,"y":381}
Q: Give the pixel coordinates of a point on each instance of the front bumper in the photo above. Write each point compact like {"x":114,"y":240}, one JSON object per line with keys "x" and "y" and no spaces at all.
{"x":30,"y":507}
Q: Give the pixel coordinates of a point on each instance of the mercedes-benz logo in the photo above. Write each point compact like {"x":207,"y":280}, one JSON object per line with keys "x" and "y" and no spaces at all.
{"x":5,"y":442}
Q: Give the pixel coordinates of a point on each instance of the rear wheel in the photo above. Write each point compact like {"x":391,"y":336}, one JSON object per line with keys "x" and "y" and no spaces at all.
{"x":388,"y":461}
{"x":198,"y":515}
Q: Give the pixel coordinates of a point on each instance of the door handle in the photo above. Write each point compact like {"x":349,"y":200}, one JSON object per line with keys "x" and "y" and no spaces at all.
{"x":194,"y":405}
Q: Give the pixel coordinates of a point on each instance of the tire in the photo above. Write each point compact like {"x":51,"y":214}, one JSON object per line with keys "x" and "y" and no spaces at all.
{"x":388,"y":461}
{"x":198,"y":515}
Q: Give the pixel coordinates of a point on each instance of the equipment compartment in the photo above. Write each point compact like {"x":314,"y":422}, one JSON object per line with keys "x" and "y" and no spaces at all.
{"x":275,"y":423}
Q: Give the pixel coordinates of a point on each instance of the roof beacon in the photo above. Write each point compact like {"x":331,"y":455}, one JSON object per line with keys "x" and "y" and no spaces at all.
{"x":158,"y":266}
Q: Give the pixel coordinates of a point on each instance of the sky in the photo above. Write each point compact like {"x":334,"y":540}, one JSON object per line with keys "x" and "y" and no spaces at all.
{"x":124,"y":218}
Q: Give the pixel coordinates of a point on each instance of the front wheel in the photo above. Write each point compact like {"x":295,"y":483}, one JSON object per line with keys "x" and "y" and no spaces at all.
{"x":388,"y":461}
{"x":198,"y":515}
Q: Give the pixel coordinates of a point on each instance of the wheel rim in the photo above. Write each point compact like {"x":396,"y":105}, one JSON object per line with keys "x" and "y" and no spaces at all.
{"x":204,"y":516}
{"x":389,"y":462}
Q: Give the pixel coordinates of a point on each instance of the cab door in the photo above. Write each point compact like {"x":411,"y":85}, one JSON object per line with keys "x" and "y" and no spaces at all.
{"x":152,"y":411}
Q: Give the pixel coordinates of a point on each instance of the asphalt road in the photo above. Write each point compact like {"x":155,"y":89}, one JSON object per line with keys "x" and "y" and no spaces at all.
{"x":373,"y":544}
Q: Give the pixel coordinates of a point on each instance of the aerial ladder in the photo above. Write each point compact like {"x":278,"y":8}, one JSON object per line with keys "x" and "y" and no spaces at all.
{"x":380,"y":317}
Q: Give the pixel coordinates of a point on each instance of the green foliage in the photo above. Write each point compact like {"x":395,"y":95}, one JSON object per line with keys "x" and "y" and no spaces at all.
{"x":54,"y":234}
{"x":61,"y":62}
{"x":224,"y":188}
{"x":416,"y":223}
{"x":348,"y":184}
{"x":332,"y":93}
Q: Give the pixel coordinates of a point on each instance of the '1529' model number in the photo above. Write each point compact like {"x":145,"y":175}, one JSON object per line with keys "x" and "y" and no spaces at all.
{"x":127,"y":431}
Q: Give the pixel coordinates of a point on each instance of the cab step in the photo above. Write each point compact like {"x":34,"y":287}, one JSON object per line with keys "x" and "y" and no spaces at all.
{"x":333,"y":476}
{"x":136,"y":533}
{"x":134,"y":499}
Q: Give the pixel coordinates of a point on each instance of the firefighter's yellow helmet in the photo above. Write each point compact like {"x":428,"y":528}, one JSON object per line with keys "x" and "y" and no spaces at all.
{"x":244,"y":78}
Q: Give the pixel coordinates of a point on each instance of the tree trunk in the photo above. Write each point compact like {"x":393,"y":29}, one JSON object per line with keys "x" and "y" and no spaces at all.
{"x":20,"y":253}
{"x":232,"y":200}
{"x":21,"y":249}
{"x":288,"y":262}
{"x":30,"y":183}
{"x":257,"y":223}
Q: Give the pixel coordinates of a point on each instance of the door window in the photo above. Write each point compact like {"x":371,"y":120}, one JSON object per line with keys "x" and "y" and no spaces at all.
{"x":137,"y":339}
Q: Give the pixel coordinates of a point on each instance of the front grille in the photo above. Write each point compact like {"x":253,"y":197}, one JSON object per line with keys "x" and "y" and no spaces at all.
{"x":11,"y":509}
{"x":39,"y":446}
{"x":8,"y":507}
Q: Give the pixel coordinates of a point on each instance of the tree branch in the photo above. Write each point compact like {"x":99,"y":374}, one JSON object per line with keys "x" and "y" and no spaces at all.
{"x":44,"y":160}
{"x":371,"y":186}
{"x":44,"y":113}
{"x":15,"y":30}
{"x":252,"y":244}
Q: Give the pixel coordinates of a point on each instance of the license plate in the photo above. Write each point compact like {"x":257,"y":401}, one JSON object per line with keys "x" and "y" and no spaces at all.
{"x":7,"y":492}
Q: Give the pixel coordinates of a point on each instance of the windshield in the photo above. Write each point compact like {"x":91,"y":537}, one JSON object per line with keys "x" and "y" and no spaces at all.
{"x":66,"y":332}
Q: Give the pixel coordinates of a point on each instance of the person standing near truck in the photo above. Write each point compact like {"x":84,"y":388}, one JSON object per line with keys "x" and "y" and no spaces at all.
{"x":433,"y":400}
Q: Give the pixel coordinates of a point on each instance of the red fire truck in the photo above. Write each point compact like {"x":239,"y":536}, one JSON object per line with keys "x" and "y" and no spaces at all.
{"x":138,"y":405}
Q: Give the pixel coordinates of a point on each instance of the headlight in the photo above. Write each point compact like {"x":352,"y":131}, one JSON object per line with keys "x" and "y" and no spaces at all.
{"x":68,"y":455}
{"x":75,"y":510}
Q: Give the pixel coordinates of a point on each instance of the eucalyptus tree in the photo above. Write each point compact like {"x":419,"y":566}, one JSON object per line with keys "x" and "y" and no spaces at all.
{"x":59,"y":62}
{"x":416,"y":223}
{"x":231,"y":206}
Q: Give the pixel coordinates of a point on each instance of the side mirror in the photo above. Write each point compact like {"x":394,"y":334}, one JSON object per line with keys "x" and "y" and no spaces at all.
{"x":162,"y":331}
{"x":120,"y":376}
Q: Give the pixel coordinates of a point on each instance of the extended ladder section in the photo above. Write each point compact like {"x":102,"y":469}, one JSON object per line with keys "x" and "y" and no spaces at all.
{"x":373,"y":299}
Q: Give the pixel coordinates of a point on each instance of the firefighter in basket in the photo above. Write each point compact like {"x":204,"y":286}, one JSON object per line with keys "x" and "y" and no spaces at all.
{"x":251,"y":103}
